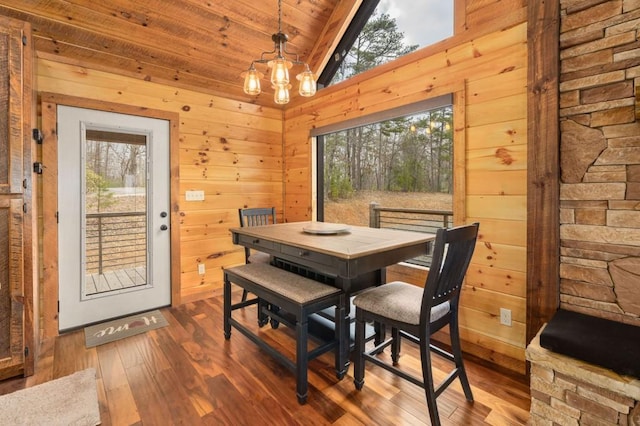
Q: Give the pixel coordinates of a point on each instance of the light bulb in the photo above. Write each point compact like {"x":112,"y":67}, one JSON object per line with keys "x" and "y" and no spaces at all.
{"x":281,"y":94}
{"x":307,"y":83}
{"x":252,"y":81}
{"x":280,"y":71}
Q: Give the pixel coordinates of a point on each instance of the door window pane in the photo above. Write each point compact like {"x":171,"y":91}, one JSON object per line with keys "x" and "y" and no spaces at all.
{"x":115,"y":211}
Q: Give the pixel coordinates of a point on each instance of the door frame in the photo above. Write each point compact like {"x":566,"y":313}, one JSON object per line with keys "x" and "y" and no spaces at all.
{"x":49,"y":190}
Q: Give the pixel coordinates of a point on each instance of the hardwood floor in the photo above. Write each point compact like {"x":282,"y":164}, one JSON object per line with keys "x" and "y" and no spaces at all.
{"x":187,"y":373}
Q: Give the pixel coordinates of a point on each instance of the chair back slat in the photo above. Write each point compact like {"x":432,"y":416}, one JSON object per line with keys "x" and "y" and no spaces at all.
{"x":452,"y":254}
{"x":257,"y":216}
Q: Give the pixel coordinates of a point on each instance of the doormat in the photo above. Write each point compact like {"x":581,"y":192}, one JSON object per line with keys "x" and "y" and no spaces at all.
{"x":69,"y":400}
{"x":110,"y":331}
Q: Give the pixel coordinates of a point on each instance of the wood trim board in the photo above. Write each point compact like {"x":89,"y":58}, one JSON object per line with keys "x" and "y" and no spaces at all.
{"x":49,"y":102}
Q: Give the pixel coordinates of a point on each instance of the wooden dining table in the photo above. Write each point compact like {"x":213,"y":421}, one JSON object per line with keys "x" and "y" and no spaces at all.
{"x":351,"y":258}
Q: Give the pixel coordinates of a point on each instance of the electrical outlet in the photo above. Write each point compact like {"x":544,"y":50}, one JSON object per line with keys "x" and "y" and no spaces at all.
{"x":194,"y":195}
{"x":201,"y":268}
{"x":505,"y":316}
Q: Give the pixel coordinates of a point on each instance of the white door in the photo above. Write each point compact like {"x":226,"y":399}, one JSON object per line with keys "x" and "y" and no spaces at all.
{"x":113,"y":205}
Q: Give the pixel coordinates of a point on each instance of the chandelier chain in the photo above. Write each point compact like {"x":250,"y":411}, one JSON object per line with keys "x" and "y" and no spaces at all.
{"x":279,"y":16}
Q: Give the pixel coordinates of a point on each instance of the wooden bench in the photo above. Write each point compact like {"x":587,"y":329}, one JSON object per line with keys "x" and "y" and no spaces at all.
{"x":299,"y":297}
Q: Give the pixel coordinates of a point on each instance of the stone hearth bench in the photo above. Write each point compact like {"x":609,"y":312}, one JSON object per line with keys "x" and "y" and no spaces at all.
{"x":584,"y":371}
{"x":571,"y":392}
{"x":599,"y":341}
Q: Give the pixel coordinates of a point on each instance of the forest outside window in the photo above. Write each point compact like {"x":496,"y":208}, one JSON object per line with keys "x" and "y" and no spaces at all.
{"x":404,"y":162}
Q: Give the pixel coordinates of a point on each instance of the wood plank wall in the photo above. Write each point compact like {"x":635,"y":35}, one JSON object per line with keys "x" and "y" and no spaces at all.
{"x":485,"y":66}
{"x":234,"y":152}
{"x":230,"y":150}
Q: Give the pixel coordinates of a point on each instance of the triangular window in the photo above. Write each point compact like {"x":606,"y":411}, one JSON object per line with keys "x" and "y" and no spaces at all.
{"x":385,"y":30}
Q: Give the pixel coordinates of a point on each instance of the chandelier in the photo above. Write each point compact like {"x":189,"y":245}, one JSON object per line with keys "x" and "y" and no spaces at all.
{"x":280,"y":66}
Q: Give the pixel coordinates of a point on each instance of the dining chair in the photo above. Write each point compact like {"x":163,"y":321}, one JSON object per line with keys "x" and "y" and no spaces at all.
{"x":415,"y":313}
{"x":256,"y":217}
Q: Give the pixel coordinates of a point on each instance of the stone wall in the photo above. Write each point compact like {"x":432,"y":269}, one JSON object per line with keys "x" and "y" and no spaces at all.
{"x":600,"y":158}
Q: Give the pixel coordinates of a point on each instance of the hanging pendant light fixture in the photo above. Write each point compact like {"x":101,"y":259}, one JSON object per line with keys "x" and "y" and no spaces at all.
{"x":280,"y":66}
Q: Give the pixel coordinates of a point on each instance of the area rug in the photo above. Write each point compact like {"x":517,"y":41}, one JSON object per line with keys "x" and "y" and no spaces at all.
{"x":69,"y":400}
{"x":110,"y":331}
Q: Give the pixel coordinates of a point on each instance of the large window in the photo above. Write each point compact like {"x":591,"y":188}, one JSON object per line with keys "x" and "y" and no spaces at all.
{"x":403,"y":162}
{"x":385,"y":30}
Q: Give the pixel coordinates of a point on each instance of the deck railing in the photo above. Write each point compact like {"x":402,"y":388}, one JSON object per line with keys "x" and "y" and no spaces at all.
{"x":115,"y":241}
{"x":416,"y":220}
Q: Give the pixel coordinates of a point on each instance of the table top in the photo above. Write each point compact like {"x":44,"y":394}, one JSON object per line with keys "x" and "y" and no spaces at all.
{"x":335,"y":240}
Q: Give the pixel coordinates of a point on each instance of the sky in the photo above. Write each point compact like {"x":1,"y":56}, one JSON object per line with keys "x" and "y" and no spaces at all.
{"x":423,"y":22}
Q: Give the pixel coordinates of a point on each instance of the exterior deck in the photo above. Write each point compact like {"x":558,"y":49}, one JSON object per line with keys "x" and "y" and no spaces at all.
{"x":116,"y":280}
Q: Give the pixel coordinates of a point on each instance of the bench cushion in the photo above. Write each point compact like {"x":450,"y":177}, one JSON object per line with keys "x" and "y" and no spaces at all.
{"x":289,"y":285}
{"x":610,"y":344}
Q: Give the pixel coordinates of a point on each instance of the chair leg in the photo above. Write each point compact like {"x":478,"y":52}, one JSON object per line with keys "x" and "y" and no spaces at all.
{"x":380,"y":333}
{"x":227,"y":308}
{"x":263,"y":318}
{"x":342,"y":336}
{"x":358,"y":366}
{"x":301,"y":360}
{"x":395,"y":345}
{"x":457,"y":356}
{"x":275,"y":309}
{"x":427,"y":377}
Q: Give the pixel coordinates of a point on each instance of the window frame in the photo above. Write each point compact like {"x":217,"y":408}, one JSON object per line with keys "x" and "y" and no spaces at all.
{"x":349,"y":37}
{"x":318,"y":133}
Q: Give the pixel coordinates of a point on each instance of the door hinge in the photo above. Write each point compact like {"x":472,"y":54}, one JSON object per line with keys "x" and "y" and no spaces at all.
{"x":24,"y":207}
{"x":24,"y":183}
{"x":38,"y":136}
{"x":37,"y":167}
{"x":58,"y":306}
{"x":26,"y":351}
{"x":57,"y":221}
{"x":24,"y":40}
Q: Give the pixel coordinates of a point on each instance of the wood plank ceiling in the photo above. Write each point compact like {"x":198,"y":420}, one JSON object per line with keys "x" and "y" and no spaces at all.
{"x":196,"y":44}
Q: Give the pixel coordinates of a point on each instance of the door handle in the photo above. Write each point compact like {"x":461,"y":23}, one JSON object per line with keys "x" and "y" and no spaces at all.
{"x":163,"y":227}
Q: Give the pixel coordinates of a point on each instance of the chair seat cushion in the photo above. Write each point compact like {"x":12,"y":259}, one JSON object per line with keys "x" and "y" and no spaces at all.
{"x":610,"y":344}
{"x":398,"y":301}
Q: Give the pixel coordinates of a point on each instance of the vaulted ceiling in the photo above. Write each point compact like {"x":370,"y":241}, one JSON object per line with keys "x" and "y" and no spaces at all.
{"x":197,"y":44}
